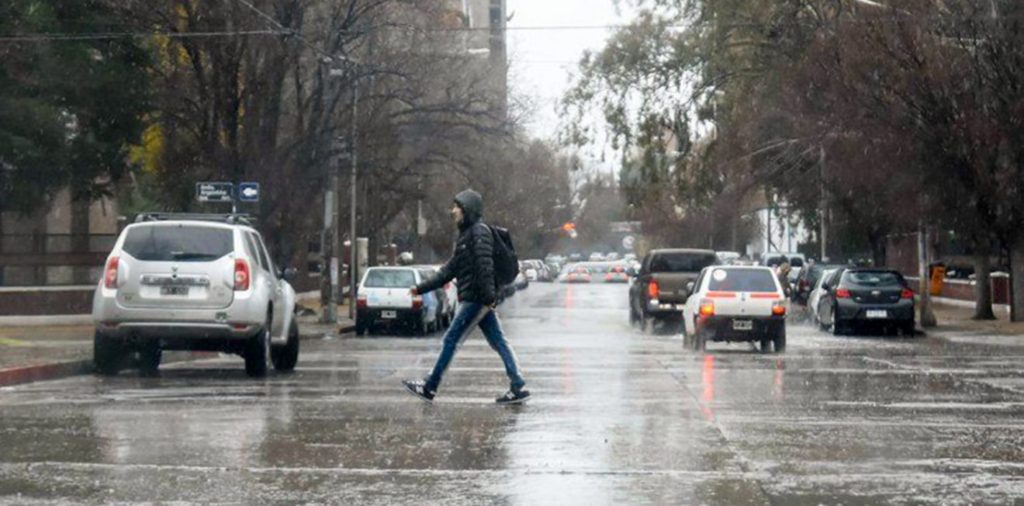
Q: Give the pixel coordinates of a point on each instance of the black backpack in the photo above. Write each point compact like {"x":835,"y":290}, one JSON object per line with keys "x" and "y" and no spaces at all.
{"x":506,"y":261}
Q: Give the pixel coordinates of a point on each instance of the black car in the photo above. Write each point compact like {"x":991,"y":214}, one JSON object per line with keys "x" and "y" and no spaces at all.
{"x":806,"y":280}
{"x":855,"y":297}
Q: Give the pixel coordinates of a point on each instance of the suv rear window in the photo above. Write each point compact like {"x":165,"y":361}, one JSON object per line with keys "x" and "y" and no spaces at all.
{"x":874,"y":278}
{"x":682,"y":262}
{"x":182,"y":243}
{"x":742,"y":280}
{"x":390,"y":278}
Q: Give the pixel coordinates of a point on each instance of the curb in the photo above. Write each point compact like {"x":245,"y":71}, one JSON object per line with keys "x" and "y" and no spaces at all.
{"x":344,"y":329}
{"x":20,"y":375}
{"x":44,"y":372}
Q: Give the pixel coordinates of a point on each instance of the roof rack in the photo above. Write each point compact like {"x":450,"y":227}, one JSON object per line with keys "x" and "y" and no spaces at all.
{"x":239,"y":219}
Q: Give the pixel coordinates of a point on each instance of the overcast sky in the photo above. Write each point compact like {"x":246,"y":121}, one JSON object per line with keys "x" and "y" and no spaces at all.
{"x":542,"y":60}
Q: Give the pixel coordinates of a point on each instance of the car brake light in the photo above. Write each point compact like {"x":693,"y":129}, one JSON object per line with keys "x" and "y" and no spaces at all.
{"x":242,"y":275}
{"x":361,"y":301}
{"x":842,"y":293}
{"x":417,"y":302}
{"x":907,"y":294}
{"x":652,"y":290}
{"x":110,"y":274}
{"x":707,"y":307}
{"x":778,"y":309}
{"x":608,"y":277}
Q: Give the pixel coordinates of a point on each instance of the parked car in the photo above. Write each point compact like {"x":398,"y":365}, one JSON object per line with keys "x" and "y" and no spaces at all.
{"x":866,"y":297}
{"x":727,"y":257}
{"x":536,"y":270}
{"x":521,"y":282}
{"x":449,"y":295}
{"x":815,"y":296}
{"x":732,"y":303}
{"x":596,"y":257}
{"x":659,"y":290}
{"x":774,"y":259}
{"x":611,"y":257}
{"x":384,"y":299}
{"x":193,"y":282}
{"x":807,"y":279}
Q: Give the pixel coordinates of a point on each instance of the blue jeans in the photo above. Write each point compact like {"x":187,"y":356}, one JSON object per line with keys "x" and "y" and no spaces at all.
{"x":469,"y":315}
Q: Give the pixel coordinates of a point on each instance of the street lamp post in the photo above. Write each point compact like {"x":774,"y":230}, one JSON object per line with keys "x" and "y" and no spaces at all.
{"x":353,"y":155}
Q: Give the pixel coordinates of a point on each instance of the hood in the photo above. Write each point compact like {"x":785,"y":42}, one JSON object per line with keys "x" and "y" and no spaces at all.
{"x":472,"y":205}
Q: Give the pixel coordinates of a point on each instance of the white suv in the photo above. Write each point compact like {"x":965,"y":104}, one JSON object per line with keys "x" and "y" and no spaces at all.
{"x":193,"y":282}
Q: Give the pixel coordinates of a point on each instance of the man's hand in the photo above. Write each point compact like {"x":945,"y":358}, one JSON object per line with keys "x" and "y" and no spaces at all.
{"x":413,"y":291}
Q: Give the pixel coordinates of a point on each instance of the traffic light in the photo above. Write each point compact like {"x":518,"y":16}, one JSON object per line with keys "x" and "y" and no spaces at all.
{"x":570,"y":229}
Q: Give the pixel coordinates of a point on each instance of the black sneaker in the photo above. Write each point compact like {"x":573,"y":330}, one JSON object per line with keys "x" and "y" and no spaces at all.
{"x":419,"y":389}
{"x":513,"y":397}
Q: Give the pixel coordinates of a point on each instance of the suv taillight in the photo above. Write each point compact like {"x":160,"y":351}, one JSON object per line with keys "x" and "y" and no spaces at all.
{"x":243,"y":276}
{"x":779,"y":308}
{"x":361,"y":301}
{"x":653,"y":290}
{"x":417,"y":302}
{"x":842,"y":293}
{"x":906,"y":294}
{"x":110,"y":273}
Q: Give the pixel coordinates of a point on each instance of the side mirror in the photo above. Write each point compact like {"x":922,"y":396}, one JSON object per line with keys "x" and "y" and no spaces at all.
{"x":689,"y":287}
{"x":824,"y":286}
{"x":289,"y":274}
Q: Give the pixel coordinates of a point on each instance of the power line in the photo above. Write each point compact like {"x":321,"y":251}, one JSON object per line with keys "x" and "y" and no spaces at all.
{"x":48,"y":37}
{"x":291,"y":31}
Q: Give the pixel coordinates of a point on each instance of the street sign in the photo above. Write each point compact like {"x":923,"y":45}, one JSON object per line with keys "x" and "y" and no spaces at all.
{"x":249,"y":192}
{"x":625,"y":227}
{"x":628,"y":242}
{"x":215,"y":192}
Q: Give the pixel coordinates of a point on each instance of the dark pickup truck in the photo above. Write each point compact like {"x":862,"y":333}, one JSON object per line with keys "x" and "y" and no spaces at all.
{"x":659,"y":290}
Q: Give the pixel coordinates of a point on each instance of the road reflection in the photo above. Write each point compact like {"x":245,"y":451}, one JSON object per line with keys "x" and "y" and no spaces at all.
{"x":707,"y":380}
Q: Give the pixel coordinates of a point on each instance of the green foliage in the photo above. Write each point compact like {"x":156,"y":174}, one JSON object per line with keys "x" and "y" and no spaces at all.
{"x":68,"y":108}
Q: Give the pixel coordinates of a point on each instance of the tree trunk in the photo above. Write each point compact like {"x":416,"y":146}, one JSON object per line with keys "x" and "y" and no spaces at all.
{"x":982,"y":285}
{"x":1017,"y":278}
{"x":877,"y":240}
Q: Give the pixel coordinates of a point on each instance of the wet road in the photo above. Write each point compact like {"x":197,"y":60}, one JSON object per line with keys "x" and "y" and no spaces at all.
{"x":617,"y":417}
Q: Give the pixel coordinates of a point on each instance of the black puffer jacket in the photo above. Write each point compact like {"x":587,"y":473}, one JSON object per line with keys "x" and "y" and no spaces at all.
{"x":472,"y":263}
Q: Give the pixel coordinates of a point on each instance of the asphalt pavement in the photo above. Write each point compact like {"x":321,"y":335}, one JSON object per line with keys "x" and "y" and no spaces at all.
{"x":617,"y":417}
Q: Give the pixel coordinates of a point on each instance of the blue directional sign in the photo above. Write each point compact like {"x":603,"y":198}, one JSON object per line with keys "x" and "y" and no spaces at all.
{"x":249,"y":192}
{"x":215,"y":192}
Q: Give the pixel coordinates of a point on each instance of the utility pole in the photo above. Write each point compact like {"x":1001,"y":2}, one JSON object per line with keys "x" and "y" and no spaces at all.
{"x":823,"y":215}
{"x":353,"y":266}
{"x":328,"y":250}
{"x":927,"y":317}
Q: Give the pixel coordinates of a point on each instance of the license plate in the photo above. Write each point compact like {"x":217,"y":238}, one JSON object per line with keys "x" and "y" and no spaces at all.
{"x":877,"y":313}
{"x":390,"y":315}
{"x":742,"y":325}
{"x":174,"y":290}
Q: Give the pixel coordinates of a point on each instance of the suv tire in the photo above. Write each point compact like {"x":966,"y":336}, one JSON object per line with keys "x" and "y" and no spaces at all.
{"x":256,"y":352}
{"x":150,"y":354}
{"x":108,"y":355}
{"x":285,"y":357}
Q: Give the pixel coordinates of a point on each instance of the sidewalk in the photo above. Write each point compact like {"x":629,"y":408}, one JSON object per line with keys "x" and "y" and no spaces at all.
{"x":955,"y":324}
{"x":42,"y":352}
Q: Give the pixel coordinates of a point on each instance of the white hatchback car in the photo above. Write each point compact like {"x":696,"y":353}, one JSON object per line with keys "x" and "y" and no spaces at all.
{"x":193,"y":282}
{"x":384,"y":299}
{"x":734,"y":303}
